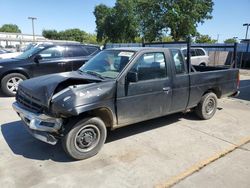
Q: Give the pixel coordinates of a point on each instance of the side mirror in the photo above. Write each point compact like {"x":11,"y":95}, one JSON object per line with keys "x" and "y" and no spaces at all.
{"x":132,"y":77}
{"x":37,"y":58}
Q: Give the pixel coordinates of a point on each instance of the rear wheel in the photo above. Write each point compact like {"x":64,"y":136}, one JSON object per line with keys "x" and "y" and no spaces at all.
{"x":10,"y":82}
{"x":85,"y":139}
{"x":202,"y":64}
{"x":207,"y":106}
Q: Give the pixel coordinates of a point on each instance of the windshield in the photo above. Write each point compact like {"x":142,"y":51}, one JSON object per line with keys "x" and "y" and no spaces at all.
{"x":108,"y":63}
{"x":29,"y":52}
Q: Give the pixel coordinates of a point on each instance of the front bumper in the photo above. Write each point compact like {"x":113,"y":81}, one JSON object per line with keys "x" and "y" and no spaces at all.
{"x":41,"y":126}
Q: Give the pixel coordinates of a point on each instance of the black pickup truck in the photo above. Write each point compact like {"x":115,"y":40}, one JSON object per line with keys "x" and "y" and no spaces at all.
{"x":118,"y":87}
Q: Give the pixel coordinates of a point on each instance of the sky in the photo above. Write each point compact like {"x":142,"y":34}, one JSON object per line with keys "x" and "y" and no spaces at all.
{"x":227,"y":21}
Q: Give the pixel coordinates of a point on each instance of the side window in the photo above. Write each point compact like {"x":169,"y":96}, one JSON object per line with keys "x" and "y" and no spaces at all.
{"x":91,"y":50}
{"x":200,"y":52}
{"x":178,"y":61}
{"x":52,"y":52}
{"x":192,"y":52}
{"x":150,"y":66}
{"x":76,"y":51}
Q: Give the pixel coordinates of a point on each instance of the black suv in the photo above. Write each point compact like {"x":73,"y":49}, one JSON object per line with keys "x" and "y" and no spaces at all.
{"x":43,"y":59}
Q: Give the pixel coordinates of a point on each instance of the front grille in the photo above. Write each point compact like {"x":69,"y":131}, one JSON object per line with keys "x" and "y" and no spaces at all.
{"x":28,"y":101}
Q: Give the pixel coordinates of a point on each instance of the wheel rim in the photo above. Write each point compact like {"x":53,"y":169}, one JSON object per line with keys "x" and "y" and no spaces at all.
{"x":87,"y":138}
{"x":12,"y":84}
{"x":210,"y":106}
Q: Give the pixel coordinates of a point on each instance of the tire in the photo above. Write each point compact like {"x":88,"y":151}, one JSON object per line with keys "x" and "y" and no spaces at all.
{"x":202,"y":64}
{"x":207,"y":106}
{"x":85,"y":139}
{"x":9,"y":83}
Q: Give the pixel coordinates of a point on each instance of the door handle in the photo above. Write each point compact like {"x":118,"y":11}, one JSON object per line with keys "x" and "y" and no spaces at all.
{"x":63,"y":63}
{"x":166,"y":89}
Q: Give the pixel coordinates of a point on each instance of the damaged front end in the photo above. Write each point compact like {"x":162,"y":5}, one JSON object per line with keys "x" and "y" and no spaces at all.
{"x":41,"y":126}
{"x":44,"y":103}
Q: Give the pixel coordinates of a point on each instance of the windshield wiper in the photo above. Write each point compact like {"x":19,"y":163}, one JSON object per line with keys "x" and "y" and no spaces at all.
{"x":93,"y":74}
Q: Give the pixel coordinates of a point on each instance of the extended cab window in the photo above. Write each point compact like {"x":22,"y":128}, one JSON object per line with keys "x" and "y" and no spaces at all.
{"x":178,"y":61}
{"x":150,"y":66}
{"x":52,"y":52}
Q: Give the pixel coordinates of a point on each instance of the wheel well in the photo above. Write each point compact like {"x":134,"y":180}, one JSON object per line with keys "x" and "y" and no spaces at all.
{"x":216,"y":91}
{"x":104,"y":113}
{"x":15,"y":71}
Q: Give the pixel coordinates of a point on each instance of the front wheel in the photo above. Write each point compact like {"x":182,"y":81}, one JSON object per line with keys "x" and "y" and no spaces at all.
{"x":10,"y":82}
{"x":207,"y":106}
{"x":85,"y":139}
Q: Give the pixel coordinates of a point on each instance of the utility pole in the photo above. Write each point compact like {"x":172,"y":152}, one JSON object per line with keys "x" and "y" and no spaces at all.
{"x":246,"y":24}
{"x":218,"y":35}
{"x":33,"y":29}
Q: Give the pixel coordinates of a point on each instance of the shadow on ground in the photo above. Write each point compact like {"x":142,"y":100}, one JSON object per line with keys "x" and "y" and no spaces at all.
{"x":3,"y":95}
{"x":22,"y":143}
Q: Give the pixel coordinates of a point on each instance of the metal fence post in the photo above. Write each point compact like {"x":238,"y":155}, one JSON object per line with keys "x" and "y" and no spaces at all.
{"x":188,"y":54}
{"x":235,"y":55}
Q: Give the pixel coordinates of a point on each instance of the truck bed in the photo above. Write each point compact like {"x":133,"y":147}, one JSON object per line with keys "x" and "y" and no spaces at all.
{"x":222,"y":81}
{"x":208,"y":68}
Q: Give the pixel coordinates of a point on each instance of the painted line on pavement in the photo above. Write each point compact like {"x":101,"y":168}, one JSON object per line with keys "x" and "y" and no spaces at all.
{"x":201,"y":164}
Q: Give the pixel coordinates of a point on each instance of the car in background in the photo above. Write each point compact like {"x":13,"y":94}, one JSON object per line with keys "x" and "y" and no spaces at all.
{"x":11,"y":48}
{"x":198,"y":56}
{"x":9,"y":54}
{"x":3,"y":51}
{"x":41,"y":60}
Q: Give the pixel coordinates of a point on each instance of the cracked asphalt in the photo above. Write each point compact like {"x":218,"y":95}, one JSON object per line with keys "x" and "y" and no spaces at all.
{"x":177,"y":150}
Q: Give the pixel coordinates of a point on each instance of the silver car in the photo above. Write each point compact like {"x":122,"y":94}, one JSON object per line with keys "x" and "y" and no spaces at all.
{"x":198,"y":56}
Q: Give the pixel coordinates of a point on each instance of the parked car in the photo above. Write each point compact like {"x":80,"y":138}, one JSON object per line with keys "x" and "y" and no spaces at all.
{"x":9,"y":55}
{"x":41,"y":60}
{"x":3,"y":51}
{"x":115,"y":88}
{"x":198,"y":56}
{"x":10,"y":48}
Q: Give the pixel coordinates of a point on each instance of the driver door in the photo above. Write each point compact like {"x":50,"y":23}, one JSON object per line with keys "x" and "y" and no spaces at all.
{"x":150,"y":95}
{"x":52,"y":61}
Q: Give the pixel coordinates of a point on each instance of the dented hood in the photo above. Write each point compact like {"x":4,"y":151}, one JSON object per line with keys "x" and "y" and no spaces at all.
{"x":41,"y":89}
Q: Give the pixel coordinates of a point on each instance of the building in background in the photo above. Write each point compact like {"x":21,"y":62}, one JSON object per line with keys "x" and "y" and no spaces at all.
{"x":18,"y":41}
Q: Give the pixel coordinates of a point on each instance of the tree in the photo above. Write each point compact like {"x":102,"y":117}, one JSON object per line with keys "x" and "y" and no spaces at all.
{"x":204,"y":39}
{"x":101,"y":12}
{"x":183,"y":16}
{"x":10,"y":28}
{"x":230,"y":40}
{"x":117,"y":24}
{"x":73,"y":34}
{"x":167,"y":39}
{"x":70,"y":34}
{"x":90,"y":38}
{"x":151,"y":19}
{"x":50,"y":34}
